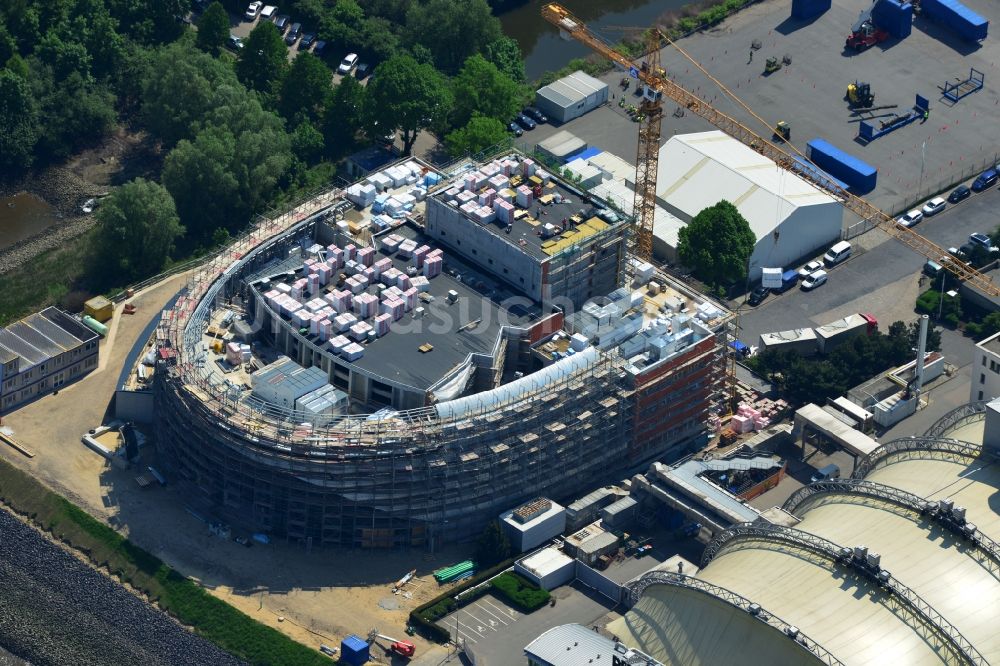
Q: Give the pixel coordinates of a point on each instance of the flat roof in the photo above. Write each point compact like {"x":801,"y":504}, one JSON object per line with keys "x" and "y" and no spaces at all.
{"x":572,"y":89}
{"x":554,"y":509}
{"x":688,"y":478}
{"x":524,"y":235}
{"x":396,"y":356}
{"x":576,"y":645}
{"x":991,"y":344}
{"x":854,"y":441}
{"x":41,"y":336}
{"x":545,"y":561}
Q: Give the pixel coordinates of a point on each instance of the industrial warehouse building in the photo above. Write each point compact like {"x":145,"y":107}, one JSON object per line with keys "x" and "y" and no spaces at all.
{"x":790,"y":217}
{"x":571,"y":96}
{"x":895,"y":565}
{"x":41,"y":353}
{"x":467,"y":393}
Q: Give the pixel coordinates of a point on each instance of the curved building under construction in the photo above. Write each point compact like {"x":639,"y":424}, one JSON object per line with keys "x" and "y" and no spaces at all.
{"x":395,"y":364}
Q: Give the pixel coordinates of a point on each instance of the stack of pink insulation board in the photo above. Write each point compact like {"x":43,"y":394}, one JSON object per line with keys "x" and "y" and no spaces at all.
{"x":359,"y":331}
{"x":344,"y":321}
{"x":382,"y":265}
{"x":419,"y":254}
{"x":353,"y":351}
{"x":504,"y":211}
{"x":382,"y":322}
{"x":432,"y":266}
{"x":524,"y":196}
{"x":365,"y":305}
{"x":420,"y":283}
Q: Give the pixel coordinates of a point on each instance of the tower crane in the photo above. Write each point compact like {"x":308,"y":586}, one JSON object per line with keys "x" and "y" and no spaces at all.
{"x":657,"y":86}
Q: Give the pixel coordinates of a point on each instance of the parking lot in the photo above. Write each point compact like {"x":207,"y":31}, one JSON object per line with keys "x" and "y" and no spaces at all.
{"x":881,"y":277}
{"x":496,"y":633}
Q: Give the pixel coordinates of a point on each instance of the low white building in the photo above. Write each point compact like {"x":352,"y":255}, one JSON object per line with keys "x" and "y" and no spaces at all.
{"x":548,"y":568}
{"x":986,"y":369}
{"x":789,"y":216}
{"x":571,"y":96}
{"x":532,"y":524}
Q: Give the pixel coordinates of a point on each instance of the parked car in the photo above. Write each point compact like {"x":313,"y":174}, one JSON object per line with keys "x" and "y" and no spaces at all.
{"x":234,"y":42}
{"x":758,"y":295}
{"x":307,"y":40}
{"x":348,"y":64}
{"x":253,"y":10}
{"x":515,"y":129}
{"x":981,"y":239}
{"x":320,"y":47}
{"x":985,"y":180}
{"x":911,"y":218}
{"x":525,"y":122}
{"x":960,"y":193}
{"x":826,"y":473}
{"x":535,"y":114}
{"x":814,"y":280}
{"x":934,"y":206}
{"x":362,"y":72}
{"x":810,"y":268}
{"x":281,"y":23}
{"x":293,"y":34}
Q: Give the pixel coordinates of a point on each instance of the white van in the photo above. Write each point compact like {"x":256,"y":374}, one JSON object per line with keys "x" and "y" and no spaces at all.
{"x":837,"y":253}
{"x":267,"y":14}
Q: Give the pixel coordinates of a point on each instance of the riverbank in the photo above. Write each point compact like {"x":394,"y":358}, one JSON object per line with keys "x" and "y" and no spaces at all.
{"x":65,"y":191}
{"x":82,"y":594}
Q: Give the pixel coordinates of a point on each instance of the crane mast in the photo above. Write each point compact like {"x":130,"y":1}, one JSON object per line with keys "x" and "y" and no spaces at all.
{"x":656,"y":81}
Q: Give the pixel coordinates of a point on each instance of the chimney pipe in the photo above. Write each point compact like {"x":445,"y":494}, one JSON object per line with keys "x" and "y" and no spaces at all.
{"x":921,"y":349}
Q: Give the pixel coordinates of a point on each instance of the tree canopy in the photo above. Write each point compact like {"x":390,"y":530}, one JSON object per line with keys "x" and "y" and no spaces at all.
{"x":18,"y":122}
{"x":305,"y":88}
{"x":479,"y":87}
{"x":408,"y":96}
{"x":263,"y":60}
{"x":452,"y":30}
{"x":493,"y":546}
{"x":136,"y":229}
{"x":717,"y":244}
{"x":478,"y":134}
{"x":213,"y":28}
{"x":344,"y":115}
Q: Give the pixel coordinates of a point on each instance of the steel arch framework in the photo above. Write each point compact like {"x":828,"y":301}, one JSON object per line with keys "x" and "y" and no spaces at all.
{"x":898,"y":598}
{"x":986,"y":546}
{"x":940,"y":448}
{"x":637,"y":588}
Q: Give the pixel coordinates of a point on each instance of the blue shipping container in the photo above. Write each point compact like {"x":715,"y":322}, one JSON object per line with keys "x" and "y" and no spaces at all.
{"x":966,"y":23}
{"x":788,"y":280}
{"x":859,"y":175}
{"x":805,"y":9}
{"x":895,"y":17}
{"x":354,"y":651}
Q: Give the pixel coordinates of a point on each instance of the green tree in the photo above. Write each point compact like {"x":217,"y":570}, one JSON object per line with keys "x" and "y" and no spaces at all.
{"x":213,"y":28}
{"x":19,"y":127}
{"x":479,"y":87}
{"x":407,"y":96}
{"x":493,"y":546}
{"x":378,"y":38}
{"x":65,"y":58}
{"x":933,"y":337}
{"x":478,"y":134}
{"x":717,"y":244}
{"x":136,"y":229}
{"x":340,"y":26}
{"x":453,"y":30}
{"x":230,"y":169}
{"x":305,"y":89}
{"x":181,"y":86}
{"x":307,"y":143}
{"x":263,"y":60}
{"x":343,"y":116}
{"x":506,"y":55}
{"x":74,"y":111}
{"x":150,"y":22}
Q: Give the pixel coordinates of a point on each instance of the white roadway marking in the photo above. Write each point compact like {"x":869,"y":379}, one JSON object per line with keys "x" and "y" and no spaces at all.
{"x":512,"y":614}
{"x":482,"y":624}
{"x":491,"y":613}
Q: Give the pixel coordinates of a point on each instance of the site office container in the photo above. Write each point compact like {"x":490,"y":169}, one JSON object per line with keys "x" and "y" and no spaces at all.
{"x":859,"y":175}
{"x":966,"y":23}
{"x":895,"y":17}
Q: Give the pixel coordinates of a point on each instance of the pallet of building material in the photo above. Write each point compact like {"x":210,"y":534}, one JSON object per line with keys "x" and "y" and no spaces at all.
{"x":448,"y":574}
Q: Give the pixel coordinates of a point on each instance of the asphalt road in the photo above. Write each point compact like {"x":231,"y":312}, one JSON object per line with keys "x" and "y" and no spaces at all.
{"x":881,"y":280}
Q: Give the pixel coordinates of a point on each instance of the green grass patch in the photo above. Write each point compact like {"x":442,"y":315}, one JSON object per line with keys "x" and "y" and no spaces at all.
{"x":520,"y":592}
{"x":211,"y":618}
{"x":47,"y":279}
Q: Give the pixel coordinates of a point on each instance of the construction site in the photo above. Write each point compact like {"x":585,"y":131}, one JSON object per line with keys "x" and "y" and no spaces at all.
{"x":450,"y":390}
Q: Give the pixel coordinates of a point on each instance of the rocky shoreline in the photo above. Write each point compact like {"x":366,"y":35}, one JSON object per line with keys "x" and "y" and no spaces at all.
{"x":65,"y":191}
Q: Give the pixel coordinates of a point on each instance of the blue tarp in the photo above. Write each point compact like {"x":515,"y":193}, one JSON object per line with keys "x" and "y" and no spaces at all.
{"x":584,"y":154}
{"x":738,"y":346}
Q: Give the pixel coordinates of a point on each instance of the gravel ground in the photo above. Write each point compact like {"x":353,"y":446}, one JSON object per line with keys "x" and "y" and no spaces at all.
{"x":54,"y":609}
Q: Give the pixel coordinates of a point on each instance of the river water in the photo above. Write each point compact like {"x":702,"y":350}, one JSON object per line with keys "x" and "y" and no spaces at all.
{"x":23,"y":216}
{"x":541,"y":45}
